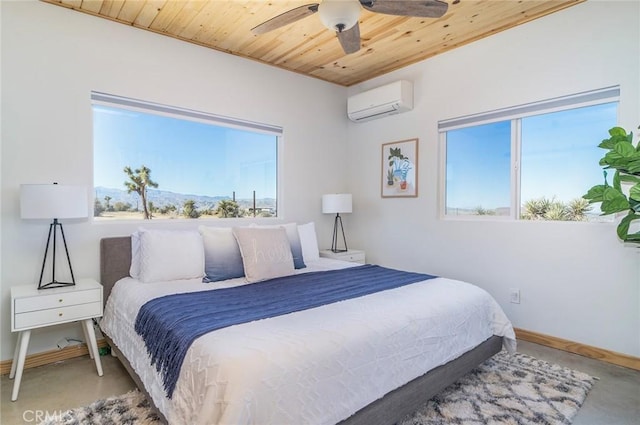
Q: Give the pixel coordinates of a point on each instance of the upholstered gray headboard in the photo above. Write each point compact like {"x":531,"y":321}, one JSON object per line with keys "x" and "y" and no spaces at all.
{"x":115,"y":261}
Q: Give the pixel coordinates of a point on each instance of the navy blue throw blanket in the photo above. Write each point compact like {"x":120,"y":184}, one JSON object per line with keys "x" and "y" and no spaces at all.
{"x":168,"y":325}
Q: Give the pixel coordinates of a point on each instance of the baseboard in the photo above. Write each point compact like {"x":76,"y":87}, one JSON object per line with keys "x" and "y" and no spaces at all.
{"x":601,"y":354}
{"x":41,"y":359}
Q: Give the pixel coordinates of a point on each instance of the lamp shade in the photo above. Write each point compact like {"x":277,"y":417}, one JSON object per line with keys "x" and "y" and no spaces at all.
{"x":336,"y":203}
{"x":48,"y":201}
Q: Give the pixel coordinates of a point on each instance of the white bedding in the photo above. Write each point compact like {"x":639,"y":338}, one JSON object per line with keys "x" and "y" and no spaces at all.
{"x":317,"y":366}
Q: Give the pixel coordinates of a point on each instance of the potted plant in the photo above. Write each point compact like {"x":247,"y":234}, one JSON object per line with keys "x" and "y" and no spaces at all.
{"x":623,"y":157}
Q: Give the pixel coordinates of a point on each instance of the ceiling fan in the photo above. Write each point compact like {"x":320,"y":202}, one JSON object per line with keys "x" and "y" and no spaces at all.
{"x":342,"y":16}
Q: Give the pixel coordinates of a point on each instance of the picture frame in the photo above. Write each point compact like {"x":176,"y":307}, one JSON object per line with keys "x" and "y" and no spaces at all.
{"x":399,"y":171}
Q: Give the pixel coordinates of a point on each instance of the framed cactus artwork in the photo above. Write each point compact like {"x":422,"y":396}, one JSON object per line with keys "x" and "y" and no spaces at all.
{"x":399,"y":174}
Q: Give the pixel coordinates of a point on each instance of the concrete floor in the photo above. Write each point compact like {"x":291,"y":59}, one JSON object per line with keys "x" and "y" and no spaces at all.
{"x":613,"y":400}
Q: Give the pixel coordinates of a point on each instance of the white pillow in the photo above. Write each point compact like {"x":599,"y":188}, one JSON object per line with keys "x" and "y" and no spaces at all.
{"x":309,"y":241}
{"x":170,"y":255}
{"x":134,"y":269}
{"x":266,"y":253}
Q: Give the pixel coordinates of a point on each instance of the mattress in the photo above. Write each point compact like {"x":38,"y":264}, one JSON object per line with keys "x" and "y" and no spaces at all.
{"x":315,"y":366}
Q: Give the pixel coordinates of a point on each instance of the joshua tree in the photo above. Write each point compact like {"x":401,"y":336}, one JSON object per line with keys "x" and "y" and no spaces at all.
{"x":106,"y":202}
{"x":139,"y":181}
{"x":227,"y":208}
{"x":168,"y":209}
{"x":189,"y":209}
{"x":152,"y":209}
{"x":98,"y":209}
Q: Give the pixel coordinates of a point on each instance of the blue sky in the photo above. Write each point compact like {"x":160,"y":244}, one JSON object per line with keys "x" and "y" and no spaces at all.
{"x":184,"y":156}
{"x":560,"y":151}
{"x":559,"y":158}
{"x":478,"y":164}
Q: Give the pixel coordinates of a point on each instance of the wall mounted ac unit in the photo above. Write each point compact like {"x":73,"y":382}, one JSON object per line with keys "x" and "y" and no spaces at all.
{"x":382,"y":101}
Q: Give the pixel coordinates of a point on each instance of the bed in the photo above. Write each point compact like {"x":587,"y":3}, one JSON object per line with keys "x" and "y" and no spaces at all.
{"x":322,"y":365}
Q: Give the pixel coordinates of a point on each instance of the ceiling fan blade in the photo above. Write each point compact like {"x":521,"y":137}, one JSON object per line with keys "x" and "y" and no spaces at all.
{"x":419,"y":8}
{"x":350,"y":39}
{"x":286,"y":18}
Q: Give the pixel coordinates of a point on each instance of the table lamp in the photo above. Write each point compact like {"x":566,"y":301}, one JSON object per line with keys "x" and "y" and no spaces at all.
{"x":335,"y":204}
{"x":53,"y":201}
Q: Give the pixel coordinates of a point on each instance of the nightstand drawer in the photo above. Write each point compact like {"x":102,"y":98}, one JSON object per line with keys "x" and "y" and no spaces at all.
{"x":70,"y":298}
{"x":354,"y":258}
{"x":352,"y":255}
{"x":34,"y":319}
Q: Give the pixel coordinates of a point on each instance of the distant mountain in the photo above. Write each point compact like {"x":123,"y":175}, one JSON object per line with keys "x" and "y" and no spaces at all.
{"x":163,"y":198}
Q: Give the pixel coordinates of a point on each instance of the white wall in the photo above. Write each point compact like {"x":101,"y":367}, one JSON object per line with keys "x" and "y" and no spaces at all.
{"x":577,"y":280}
{"x":53,"y":57}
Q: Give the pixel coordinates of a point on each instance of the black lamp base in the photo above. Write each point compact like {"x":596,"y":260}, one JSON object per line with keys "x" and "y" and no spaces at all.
{"x":53,"y":228}
{"x":334,"y":244}
{"x":55,"y":284}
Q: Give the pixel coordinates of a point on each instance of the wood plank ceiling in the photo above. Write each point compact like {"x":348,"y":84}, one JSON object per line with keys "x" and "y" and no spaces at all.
{"x":306,"y":46}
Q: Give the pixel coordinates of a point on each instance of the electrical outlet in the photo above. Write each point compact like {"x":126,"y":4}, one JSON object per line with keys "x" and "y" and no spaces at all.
{"x":63,"y":343}
{"x":514,"y":295}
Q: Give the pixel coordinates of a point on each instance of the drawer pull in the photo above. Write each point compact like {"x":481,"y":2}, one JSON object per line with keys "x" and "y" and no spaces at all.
{"x":60,"y":300}
{"x":59,"y":314}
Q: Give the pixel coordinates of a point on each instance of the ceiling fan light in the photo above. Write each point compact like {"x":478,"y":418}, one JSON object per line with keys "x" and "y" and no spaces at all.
{"x":339,"y":15}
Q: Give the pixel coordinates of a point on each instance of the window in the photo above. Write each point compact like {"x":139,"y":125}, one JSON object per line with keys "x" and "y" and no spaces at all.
{"x":154,"y":161}
{"x":532,"y":162}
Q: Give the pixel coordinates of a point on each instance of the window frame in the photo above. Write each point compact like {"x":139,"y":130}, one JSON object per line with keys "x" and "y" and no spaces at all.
{"x":514,"y":114}
{"x":175,"y":112}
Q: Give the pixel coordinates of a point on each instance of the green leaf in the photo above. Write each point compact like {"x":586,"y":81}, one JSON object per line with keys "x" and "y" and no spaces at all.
{"x":629,"y":178}
{"x":634,"y":192}
{"x":607,"y":144}
{"x":625,"y":149}
{"x":617,"y":134}
{"x":634,"y":166}
{"x":620,"y":157}
{"x":617,"y":131}
{"x":633,"y":237}
{"x":613,"y":201}
{"x":615,"y":206}
{"x":623,"y":227}
{"x":611,"y":194}
{"x":595,"y":194}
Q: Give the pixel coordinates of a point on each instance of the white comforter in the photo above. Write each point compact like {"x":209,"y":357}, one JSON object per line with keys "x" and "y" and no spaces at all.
{"x":317,"y":366}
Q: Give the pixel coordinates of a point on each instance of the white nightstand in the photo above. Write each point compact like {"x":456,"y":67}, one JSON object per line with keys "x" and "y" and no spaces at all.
{"x":353,"y":255}
{"x":32,"y":308}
